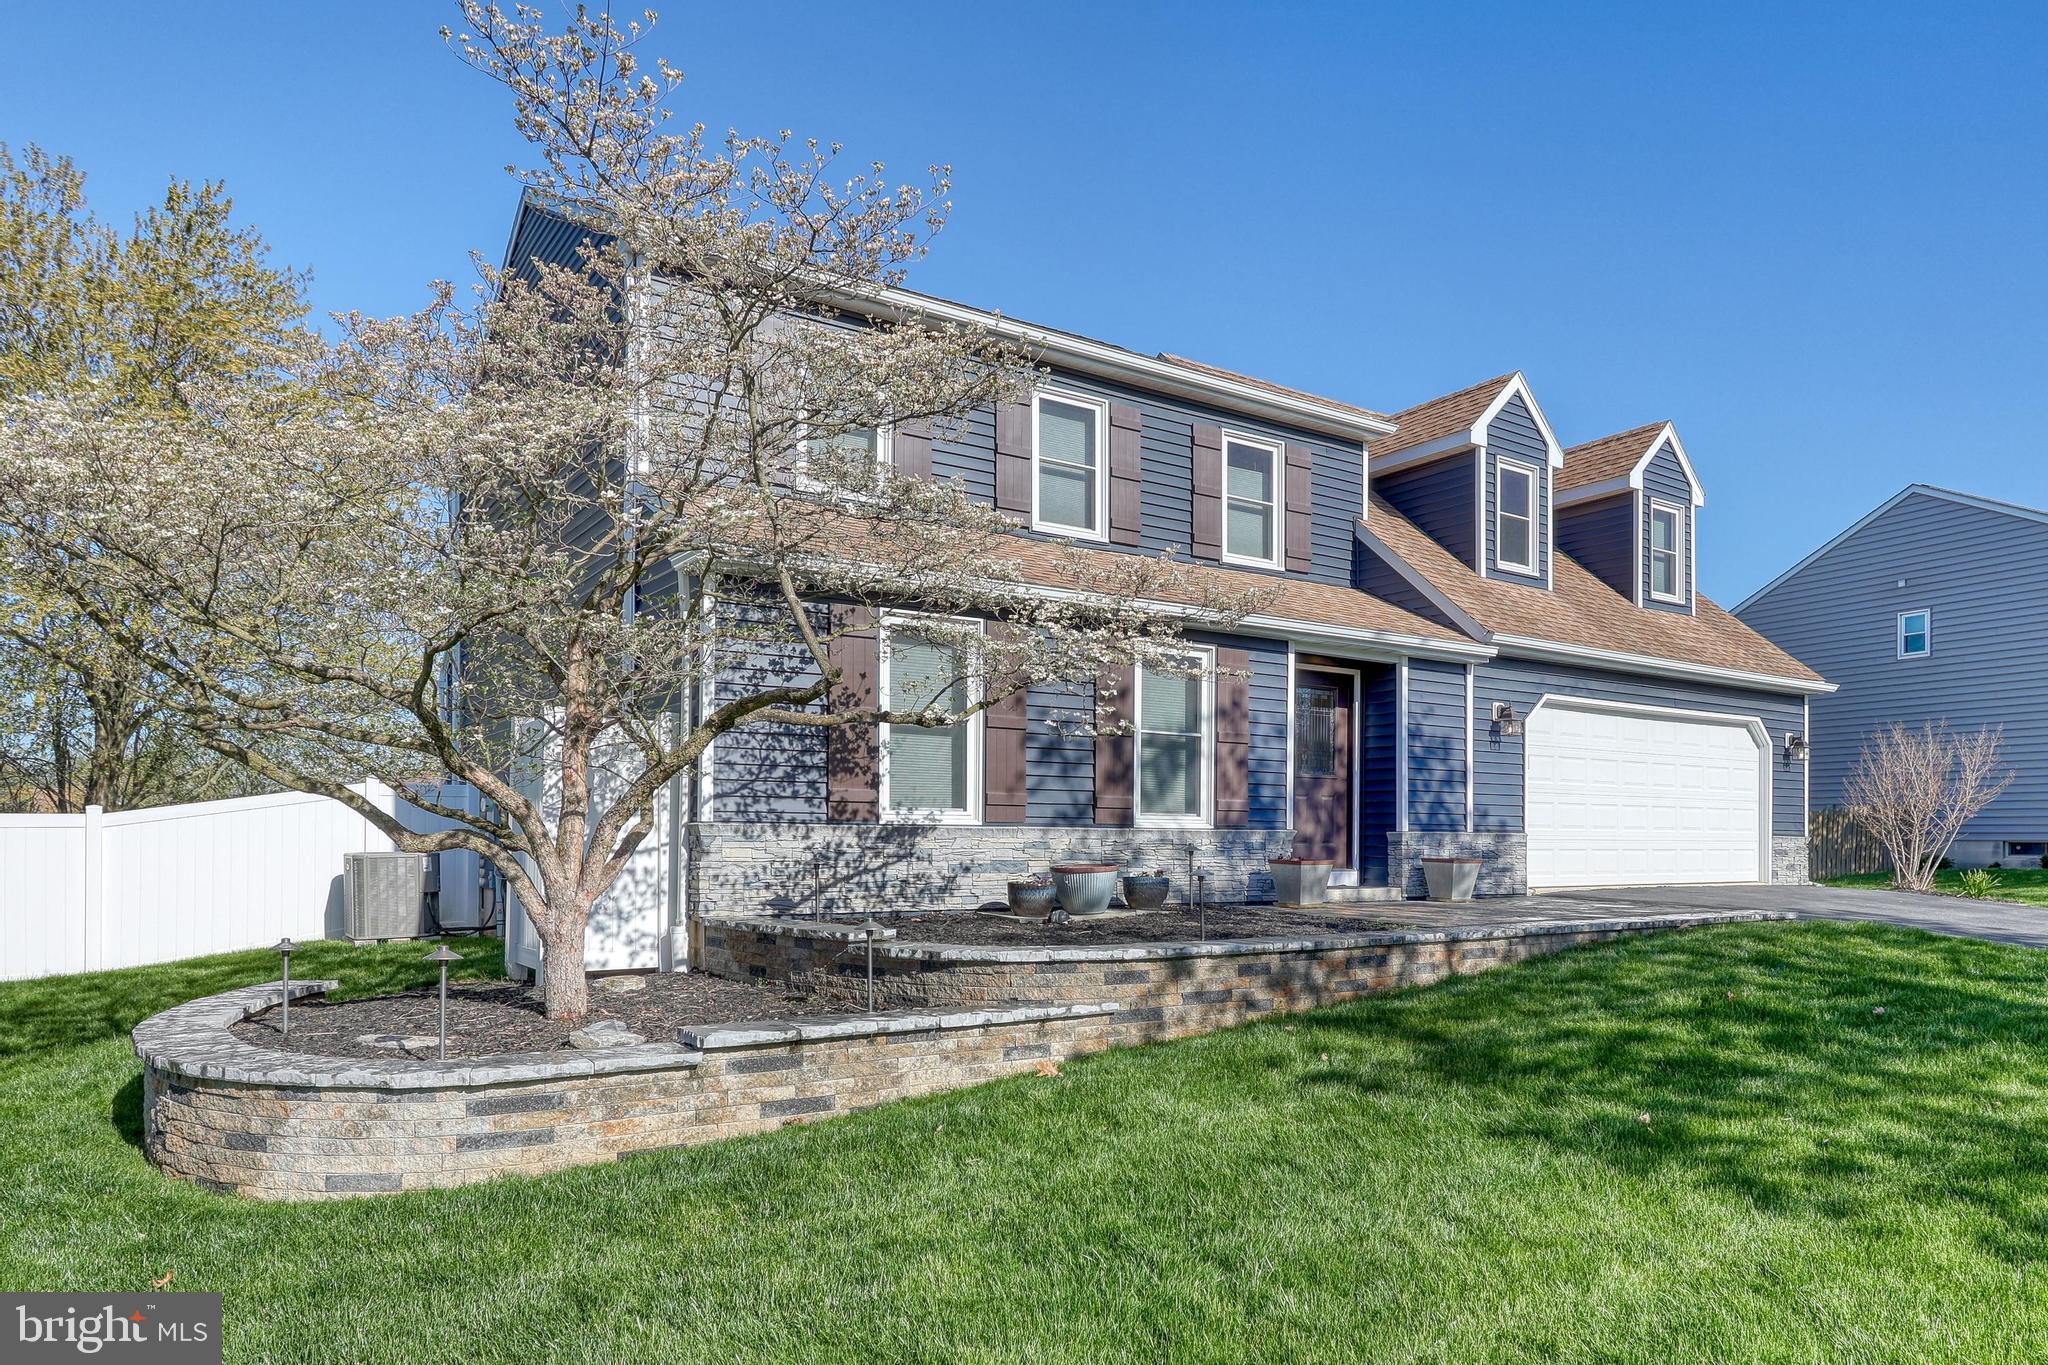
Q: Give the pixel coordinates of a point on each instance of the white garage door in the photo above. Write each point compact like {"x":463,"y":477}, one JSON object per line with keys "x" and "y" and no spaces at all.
{"x":1621,"y":798}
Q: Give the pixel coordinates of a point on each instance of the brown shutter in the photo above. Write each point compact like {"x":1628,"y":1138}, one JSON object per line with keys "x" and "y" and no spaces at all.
{"x":851,"y":750}
{"x":910,"y":446}
{"x":1300,"y":507}
{"x":1126,"y":473}
{"x":1013,"y":458}
{"x":1114,"y":804}
{"x":1233,"y":736}
{"x":1004,"y":726}
{"x":1208,"y":479}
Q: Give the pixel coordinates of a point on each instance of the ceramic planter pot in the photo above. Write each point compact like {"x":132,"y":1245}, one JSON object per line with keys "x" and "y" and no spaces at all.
{"x":1035,"y":899}
{"x":1084,"y":888}
{"x":1451,"y":879}
{"x":1146,"y":893}
{"x":1301,"y":881}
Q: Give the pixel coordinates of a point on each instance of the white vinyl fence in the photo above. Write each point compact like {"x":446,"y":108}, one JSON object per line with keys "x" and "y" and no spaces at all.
{"x":81,"y":893}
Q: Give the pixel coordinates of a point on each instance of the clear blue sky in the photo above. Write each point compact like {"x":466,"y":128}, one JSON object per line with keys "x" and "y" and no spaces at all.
{"x":1813,"y":236}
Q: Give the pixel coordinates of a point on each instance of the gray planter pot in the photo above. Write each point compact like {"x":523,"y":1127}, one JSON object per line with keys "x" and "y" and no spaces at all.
{"x":1300,"y":882}
{"x":1451,"y":879}
{"x":1146,"y":893}
{"x":1085,"y":888}
{"x":1029,"y":898}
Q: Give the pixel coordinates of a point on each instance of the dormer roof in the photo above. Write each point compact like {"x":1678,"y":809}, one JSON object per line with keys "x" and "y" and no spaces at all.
{"x":1615,"y":464}
{"x":1459,"y":421}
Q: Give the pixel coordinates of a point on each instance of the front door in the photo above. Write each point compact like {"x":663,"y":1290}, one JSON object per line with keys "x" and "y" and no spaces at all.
{"x":1324,"y":736}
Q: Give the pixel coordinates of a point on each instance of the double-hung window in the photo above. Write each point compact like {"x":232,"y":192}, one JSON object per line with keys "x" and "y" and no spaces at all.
{"x":1251,"y":501}
{"x":1514,"y":517}
{"x":1175,"y":725}
{"x":1069,"y":490}
{"x":1916,"y":633}
{"x":928,"y":772}
{"x":1665,"y":524}
{"x":848,"y":461}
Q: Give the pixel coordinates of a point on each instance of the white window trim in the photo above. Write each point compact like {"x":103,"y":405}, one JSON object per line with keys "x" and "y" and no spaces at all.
{"x":971,"y":815}
{"x":1207,"y":817}
{"x":885,"y":461}
{"x":1678,"y":556}
{"x":1100,"y":407}
{"x":1926,"y":633}
{"x":1500,"y":469}
{"x":1276,"y":452}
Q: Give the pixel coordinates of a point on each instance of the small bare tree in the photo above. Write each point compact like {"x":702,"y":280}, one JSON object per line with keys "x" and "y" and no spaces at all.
{"x":1915,"y":790}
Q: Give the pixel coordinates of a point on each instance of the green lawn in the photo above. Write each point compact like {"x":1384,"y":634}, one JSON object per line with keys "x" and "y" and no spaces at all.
{"x":2028,"y":885}
{"x":1707,"y":1146}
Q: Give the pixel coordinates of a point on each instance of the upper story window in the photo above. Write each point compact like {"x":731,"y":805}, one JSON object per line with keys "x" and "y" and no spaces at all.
{"x":1068,"y":491}
{"x":1916,"y":633}
{"x":1252,"y":506}
{"x":1665,"y":521}
{"x":1175,"y":723}
{"x":927,"y":772}
{"x":852,"y":460}
{"x":1514,"y":517}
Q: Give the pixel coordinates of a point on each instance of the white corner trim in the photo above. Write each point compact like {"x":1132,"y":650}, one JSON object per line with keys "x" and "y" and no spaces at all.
{"x":1552,"y":651}
{"x":1401,"y":747}
{"x":1470,"y":748}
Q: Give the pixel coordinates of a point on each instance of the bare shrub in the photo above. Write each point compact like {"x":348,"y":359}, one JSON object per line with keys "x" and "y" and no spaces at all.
{"x":1915,"y":790}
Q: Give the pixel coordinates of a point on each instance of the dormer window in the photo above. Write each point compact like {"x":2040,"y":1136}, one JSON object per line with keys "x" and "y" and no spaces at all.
{"x":1514,"y":516}
{"x":1665,"y":524}
{"x":1251,"y":507}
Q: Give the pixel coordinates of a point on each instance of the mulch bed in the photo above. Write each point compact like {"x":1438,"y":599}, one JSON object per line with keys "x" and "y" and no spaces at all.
{"x":1172,"y":925}
{"x":490,"y":1017}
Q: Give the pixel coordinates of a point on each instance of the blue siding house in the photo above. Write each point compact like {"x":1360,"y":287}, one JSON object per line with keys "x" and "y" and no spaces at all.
{"x":1478,"y":643}
{"x":1930,"y":609}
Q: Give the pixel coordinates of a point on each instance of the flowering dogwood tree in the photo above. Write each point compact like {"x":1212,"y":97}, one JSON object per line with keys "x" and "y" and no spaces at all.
{"x":505,"y":540}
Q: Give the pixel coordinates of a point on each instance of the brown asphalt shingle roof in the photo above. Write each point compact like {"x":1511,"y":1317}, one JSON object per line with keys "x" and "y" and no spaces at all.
{"x":1610,"y":457}
{"x":1441,"y":416}
{"x":1582,"y":610}
{"x":1266,"y":384}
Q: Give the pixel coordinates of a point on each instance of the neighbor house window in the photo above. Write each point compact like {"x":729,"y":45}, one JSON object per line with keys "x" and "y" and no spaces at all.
{"x":1251,"y":513}
{"x":1069,"y":492}
{"x":928,"y":772}
{"x":1514,"y":517}
{"x":1916,"y":634}
{"x":1664,"y":524}
{"x":1174,"y":724}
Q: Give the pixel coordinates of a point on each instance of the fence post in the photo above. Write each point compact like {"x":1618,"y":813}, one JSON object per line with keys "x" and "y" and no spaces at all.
{"x":95,"y":870}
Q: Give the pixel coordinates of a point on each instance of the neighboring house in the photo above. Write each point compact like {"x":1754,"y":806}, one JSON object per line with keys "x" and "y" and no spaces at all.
{"x":1930,"y":609}
{"x":1479,"y":643}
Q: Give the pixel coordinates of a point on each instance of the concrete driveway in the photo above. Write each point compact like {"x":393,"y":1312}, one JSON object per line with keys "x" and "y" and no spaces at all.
{"x":2001,"y":921}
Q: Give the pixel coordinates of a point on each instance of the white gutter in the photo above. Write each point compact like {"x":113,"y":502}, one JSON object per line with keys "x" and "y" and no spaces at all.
{"x":1550,"y":650}
{"x":1114,"y":362}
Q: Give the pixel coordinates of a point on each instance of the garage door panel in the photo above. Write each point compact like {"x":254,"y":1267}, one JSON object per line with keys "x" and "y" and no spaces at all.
{"x":1626,"y":797}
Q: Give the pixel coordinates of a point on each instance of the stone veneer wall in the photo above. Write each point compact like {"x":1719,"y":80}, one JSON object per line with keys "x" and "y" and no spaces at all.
{"x":1164,"y":990}
{"x":284,"y":1125}
{"x":1504,"y":860}
{"x":1789,"y":865}
{"x":859,"y":869}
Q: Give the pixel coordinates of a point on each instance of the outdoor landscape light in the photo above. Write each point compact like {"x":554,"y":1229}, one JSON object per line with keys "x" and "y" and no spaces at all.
{"x":443,"y":955}
{"x":1505,"y":719}
{"x":284,"y":949}
{"x":1796,"y":746}
{"x":870,"y":930}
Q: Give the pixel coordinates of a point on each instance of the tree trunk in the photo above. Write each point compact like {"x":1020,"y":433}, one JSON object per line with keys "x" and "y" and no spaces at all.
{"x":565,"y":990}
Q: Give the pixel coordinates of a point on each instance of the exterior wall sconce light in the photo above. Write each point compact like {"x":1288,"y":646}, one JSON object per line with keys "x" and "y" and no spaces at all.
{"x":1796,"y":746}
{"x":1505,"y":720}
